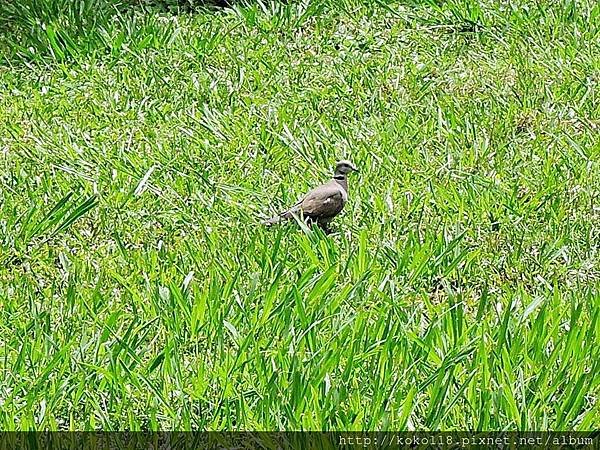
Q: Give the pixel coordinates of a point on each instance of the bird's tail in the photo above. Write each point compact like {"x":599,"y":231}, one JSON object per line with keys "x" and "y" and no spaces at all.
{"x":272,"y":221}
{"x":286,"y":215}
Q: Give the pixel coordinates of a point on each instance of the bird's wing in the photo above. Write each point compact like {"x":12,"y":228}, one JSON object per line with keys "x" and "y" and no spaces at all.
{"x":325,"y":201}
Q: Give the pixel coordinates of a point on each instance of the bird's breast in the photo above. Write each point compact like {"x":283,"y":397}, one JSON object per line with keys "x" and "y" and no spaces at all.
{"x":344,"y":195}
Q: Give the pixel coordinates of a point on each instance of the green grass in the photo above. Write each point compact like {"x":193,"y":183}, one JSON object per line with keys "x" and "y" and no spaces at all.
{"x":139,"y":150}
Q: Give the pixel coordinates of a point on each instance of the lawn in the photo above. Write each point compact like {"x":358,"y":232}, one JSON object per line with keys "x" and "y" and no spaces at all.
{"x":140,"y":148}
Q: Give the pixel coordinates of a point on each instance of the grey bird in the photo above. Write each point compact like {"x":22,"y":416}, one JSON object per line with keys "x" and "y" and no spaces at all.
{"x":323,"y":203}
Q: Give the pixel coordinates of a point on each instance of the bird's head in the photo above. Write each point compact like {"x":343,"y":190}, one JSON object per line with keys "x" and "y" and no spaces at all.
{"x":344,"y":167}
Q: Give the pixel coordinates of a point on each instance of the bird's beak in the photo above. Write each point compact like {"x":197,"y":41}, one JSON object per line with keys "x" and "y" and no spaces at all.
{"x":354,"y":168}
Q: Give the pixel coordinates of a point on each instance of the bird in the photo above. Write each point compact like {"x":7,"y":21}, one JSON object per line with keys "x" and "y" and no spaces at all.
{"x":324,"y":202}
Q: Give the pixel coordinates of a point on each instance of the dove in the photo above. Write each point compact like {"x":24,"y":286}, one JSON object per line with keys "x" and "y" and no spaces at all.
{"x":324,"y":202}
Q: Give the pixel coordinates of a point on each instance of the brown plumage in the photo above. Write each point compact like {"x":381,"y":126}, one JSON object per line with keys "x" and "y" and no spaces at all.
{"x":323,"y":203}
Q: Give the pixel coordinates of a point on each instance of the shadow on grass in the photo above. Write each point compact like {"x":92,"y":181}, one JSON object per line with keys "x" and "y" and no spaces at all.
{"x":176,"y":6}
{"x":47,"y":31}
{"x":62,"y":30}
